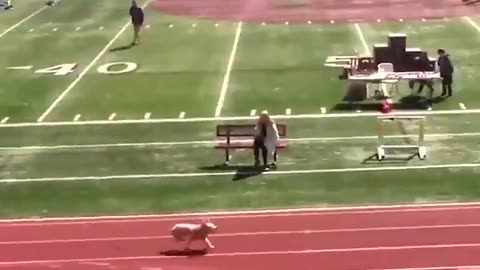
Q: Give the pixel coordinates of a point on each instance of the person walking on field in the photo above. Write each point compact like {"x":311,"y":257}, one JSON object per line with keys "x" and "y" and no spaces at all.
{"x":136,"y":13}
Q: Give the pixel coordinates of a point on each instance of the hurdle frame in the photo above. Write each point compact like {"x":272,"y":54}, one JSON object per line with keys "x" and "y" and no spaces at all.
{"x":420,"y":146}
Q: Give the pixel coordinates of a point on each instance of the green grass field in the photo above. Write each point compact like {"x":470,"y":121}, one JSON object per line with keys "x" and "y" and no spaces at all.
{"x":84,"y":164}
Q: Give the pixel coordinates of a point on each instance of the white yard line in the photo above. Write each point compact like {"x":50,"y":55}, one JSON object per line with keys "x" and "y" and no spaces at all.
{"x":22,"y":21}
{"x":232,"y":173}
{"x":240,"y":118}
{"x":362,"y":38}
{"x":472,"y":23}
{"x":212,"y":142}
{"x":226,"y":78}
{"x":85,"y":71}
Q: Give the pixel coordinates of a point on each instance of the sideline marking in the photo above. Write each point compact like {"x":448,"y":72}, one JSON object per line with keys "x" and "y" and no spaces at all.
{"x":20,"y":68}
{"x":232,"y":173}
{"x":253,"y":112}
{"x":327,"y":210}
{"x":323,"y":110}
{"x":31,"y":30}
{"x":362,"y":38}
{"x":55,"y":29}
{"x":288,"y":111}
{"x":147,"y":115}
{"x":462,"y":106}
{"x":78,"y":28}
{"x":472,"y":23}
{"x":5,"y":120}
{"x":237,"y":118}
{"x":112,"y":116}
{"x":261,"y":253}
{"x":87,"y":68}
{"x":77,"y":117}
{"x":252,"y":233}
{"x":181,"y":115}
{"x":226,"y":79}
{"x":22,"y":21}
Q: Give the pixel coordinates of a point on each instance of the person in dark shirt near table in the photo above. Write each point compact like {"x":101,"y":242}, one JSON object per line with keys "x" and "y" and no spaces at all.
{"x":446,"y":72}
{"x":136,"y":13}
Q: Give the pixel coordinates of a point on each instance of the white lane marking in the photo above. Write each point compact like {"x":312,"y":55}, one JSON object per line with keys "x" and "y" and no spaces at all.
{"x":22,"y":21}
{"x":231,"y":173}
{"x":362,"y":38}
{"x":237,"y":118}
{"x":261,"y":253}
{"x":226,"y":78}
{"x":253,"y":233}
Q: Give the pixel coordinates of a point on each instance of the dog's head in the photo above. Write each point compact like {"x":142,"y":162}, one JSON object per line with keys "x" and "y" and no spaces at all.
{"x":211,"y":227}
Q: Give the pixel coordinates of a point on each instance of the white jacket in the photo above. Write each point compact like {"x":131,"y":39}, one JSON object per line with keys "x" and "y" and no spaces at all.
{"x":271,"y":138}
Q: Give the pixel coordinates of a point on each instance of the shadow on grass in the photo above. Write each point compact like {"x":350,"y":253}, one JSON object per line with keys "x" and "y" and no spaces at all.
{"x":185,"y":253}
{"x":242,"y":172}
{"x":122,"y":48}
{"x":405,"y":103}
{"x":390,"y":160}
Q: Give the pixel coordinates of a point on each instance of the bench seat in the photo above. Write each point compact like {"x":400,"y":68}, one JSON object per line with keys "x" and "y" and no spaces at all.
{"x":245,"y":145}
{"x":241,"y":137}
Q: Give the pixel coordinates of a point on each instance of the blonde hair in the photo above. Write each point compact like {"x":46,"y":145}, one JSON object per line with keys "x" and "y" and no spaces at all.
{"x":264,"y":118}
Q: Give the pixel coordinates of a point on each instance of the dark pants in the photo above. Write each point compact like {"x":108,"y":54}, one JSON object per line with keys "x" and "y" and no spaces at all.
{"x":422,"y":84}
{"x":259,"y":143}
{"x":447,"y":85}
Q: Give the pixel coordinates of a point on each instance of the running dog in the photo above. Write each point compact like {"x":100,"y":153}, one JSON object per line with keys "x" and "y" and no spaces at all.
{"x":193,"y":232}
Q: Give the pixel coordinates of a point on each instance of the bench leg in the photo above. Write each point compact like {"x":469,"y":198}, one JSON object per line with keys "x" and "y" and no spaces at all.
{"x":227,"y":156}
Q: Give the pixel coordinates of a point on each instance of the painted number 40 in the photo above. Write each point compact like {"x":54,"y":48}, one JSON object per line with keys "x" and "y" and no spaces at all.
{"x":65,"y":69}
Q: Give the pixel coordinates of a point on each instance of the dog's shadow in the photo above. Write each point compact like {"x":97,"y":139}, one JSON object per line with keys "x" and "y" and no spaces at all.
{"x":185,"y":253}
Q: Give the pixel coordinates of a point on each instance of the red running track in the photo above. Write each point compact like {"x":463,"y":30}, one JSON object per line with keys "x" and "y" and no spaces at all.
{"x":425,"y":238}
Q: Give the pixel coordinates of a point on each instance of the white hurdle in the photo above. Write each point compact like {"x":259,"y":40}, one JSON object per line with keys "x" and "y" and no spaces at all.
{"x":420,"y":145}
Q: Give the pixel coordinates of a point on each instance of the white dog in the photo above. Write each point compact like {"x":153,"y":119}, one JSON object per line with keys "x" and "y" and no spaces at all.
{"x":191,"y":232}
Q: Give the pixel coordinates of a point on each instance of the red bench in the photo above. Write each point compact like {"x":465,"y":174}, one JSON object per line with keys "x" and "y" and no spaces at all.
{"x":241,"y":137}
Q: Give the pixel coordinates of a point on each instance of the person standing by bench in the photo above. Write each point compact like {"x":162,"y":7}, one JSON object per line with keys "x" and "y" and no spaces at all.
{"x":265,"y":138}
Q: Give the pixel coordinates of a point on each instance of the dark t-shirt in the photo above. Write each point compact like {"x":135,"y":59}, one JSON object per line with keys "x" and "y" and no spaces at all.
{"x":446,"y":67}
{"x":137,"y":15}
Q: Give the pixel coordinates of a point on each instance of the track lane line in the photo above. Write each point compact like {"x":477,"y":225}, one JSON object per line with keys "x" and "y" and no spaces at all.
{"x":253,"y":233}
{"x":339,"y":210}
{"x":261,"y":253}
